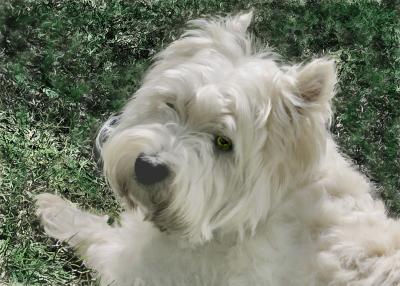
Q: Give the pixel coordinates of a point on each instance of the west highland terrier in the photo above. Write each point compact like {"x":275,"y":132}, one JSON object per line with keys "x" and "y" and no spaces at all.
{"x":229,"y":176}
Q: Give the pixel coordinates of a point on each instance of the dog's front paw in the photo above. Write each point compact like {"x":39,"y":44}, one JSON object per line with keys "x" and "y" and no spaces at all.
{"x":46,"y":201}
{"x":56,"y":215}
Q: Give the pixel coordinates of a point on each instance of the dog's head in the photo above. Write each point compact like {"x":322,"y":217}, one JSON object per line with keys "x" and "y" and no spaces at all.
{"x":218,"y":132}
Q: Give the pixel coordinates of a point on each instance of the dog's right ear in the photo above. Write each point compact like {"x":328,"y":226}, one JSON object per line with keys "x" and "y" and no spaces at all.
{"x":225,"y":34}
{"x":240,"y":22}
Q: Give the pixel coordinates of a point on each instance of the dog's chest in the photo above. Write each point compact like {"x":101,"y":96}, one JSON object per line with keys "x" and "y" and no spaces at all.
{"x":258,"y":262}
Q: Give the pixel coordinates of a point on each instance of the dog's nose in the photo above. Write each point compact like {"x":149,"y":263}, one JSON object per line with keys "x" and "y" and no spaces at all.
{"x":149,"y":173}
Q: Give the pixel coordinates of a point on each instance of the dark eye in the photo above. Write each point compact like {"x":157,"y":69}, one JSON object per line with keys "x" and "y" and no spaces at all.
{"x":170,"y":105}
{"x":223,"y":143}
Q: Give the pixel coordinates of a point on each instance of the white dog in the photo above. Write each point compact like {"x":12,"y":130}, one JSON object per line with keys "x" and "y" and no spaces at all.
{"x":230,"y":177}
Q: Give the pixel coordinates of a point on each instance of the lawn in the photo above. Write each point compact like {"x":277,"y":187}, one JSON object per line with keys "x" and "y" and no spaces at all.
{"x":66,"y":65}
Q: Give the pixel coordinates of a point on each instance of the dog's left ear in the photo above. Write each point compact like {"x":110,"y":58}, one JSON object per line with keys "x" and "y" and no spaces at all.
{"x":316,"y":81}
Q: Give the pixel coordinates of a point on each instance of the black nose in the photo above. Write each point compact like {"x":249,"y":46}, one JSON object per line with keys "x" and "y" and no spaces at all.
{"x":149,"y":173}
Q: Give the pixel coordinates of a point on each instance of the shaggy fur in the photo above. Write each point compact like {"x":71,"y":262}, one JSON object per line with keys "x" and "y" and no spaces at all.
{"x":283,"y":207}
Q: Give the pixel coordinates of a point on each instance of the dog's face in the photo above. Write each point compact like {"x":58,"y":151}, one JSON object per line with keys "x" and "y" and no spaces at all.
{"x":217,"y":133}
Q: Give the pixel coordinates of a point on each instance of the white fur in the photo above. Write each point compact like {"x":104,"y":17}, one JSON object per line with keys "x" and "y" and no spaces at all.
{"x":282,"y":208}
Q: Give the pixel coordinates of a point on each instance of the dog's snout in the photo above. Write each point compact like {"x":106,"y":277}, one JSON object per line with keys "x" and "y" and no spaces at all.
{"x":149,"y":173}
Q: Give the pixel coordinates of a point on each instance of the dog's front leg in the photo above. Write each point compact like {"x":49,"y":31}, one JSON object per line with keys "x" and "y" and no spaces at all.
{"x":64,"y":221}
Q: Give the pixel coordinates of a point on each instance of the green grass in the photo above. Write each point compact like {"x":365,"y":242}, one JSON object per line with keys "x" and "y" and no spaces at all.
{"x":66,"y":65}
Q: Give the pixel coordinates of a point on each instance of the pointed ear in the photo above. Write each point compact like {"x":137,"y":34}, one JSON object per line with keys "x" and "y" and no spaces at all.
{"x":241,"y":21}
{"x":316,"y":81}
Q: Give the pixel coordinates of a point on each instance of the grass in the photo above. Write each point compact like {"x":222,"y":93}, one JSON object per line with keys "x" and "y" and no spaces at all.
{"x":66,"y":65}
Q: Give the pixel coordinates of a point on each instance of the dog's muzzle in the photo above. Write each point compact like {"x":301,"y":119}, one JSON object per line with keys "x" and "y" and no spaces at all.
{"x":149,"y":173}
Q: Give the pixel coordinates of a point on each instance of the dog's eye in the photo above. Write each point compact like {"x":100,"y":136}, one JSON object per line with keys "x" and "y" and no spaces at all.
{"x":223,"y":143}
{"x":170,"y":105}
